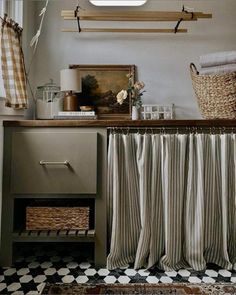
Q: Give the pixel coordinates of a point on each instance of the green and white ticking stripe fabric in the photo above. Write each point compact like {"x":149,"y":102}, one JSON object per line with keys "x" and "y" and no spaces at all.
{"x":172,"y":200}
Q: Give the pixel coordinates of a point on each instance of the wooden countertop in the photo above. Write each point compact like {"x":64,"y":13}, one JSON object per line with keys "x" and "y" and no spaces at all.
{"x":119,"y":123}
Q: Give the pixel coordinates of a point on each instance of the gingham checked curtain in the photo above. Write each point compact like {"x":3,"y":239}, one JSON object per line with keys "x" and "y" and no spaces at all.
{"x":173,"y":200}
{"x":12,"y":62}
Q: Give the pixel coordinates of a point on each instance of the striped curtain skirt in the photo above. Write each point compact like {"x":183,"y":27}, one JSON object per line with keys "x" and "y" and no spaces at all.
{"x":172,"y":200}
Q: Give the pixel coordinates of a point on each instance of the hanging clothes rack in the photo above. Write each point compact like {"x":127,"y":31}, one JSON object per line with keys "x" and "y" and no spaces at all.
{"x":132,"y":16}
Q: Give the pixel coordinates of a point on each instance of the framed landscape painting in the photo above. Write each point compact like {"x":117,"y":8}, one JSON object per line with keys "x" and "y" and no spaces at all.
{"x":100,"y":86}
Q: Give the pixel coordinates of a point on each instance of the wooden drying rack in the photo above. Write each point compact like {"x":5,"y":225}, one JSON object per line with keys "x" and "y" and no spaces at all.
{"x":135,"y":16}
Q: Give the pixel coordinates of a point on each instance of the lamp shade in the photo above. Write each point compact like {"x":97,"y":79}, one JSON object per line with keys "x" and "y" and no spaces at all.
{"x":70,"y":80}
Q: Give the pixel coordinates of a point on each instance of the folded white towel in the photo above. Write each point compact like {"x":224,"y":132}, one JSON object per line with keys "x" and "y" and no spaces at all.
{"x":218,"y":70}
{"x":217,"y":59}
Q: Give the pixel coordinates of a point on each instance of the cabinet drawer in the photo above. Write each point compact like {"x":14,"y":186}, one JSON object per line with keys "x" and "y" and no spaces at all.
{"x":54,"y":162}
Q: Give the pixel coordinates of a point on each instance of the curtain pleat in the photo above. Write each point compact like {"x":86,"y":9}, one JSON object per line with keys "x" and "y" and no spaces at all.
{"x":144,"y":156}
{"x":173,"y":173}
{"x":126,"y":221}
{"x":110,"y":155}
{"x":156,"y":216}
{"x":194,"y":212}
{"x":232,"y":201}
{"x":173,"y":200}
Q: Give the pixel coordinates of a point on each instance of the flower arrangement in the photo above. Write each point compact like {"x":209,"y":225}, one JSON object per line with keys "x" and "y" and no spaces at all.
{"x":135,"y":91}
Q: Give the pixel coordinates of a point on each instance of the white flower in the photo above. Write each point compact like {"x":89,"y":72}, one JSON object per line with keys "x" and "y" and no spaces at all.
{"x":121,"y":96}
{"x":139,"y":85}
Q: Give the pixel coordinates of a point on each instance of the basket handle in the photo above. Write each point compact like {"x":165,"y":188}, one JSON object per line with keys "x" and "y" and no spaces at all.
{"x":193,"y":68}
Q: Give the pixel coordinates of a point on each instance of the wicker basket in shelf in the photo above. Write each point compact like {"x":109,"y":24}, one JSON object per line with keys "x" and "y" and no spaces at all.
{"x":216,"y":94}
{"x":57,"y":218}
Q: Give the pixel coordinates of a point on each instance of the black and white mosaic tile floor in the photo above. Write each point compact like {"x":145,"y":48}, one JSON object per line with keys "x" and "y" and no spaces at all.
{"x":38,"y":266}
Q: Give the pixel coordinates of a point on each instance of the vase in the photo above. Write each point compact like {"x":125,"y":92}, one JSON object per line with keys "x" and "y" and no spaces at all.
{"x":135,"y":113}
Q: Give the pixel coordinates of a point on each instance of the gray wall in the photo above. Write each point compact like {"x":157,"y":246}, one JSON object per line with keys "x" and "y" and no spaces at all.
{"x":162,"y":60}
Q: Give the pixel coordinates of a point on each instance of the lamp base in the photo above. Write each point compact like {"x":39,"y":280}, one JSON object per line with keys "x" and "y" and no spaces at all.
{"x":70,"y":103}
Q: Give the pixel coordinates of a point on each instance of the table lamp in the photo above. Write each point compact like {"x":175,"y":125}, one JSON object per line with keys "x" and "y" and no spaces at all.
{"x":70,"y":82}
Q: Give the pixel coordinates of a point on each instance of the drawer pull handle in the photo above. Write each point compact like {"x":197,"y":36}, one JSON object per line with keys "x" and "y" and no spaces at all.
{"x":44,"y":163}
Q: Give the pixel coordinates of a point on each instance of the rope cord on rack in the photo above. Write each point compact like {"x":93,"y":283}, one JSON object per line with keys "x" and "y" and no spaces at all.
{"x":186,"y":11}
{"x":180,"y":21}
{"x":77,"y":16}
{"x":177,"y":26}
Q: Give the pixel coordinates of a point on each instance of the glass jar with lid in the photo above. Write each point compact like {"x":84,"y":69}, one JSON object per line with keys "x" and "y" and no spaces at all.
{"x":48,"y":101}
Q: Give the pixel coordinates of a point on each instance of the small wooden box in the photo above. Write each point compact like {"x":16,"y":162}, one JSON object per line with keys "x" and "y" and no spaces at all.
{"x":57,"y":218}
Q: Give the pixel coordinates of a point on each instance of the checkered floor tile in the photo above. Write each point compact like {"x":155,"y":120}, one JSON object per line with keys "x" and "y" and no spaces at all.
{"x":31,"y":272}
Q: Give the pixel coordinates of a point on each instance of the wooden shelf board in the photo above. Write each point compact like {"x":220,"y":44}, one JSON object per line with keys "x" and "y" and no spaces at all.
{"x":119,"y":30}
{"x":119,"y":123}
{"x":54,"y":236}
{"x":134,"y":15}
{"x":55,"y":196}
{"x":133,"y":19}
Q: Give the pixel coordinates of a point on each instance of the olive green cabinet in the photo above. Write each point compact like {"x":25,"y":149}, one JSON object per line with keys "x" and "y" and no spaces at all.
{"x":54,"y":163}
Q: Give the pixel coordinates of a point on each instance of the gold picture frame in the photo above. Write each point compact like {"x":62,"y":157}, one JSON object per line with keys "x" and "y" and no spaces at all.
{"x":100,"y":86}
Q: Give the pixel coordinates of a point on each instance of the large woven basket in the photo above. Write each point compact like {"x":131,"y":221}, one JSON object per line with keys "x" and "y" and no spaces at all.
{"x":216,"y":94}
{"x":57,"y":218}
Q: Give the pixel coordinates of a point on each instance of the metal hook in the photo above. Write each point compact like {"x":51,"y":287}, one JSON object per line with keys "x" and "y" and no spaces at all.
{"x":163,"y":131}
{"x":188,"y":130}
